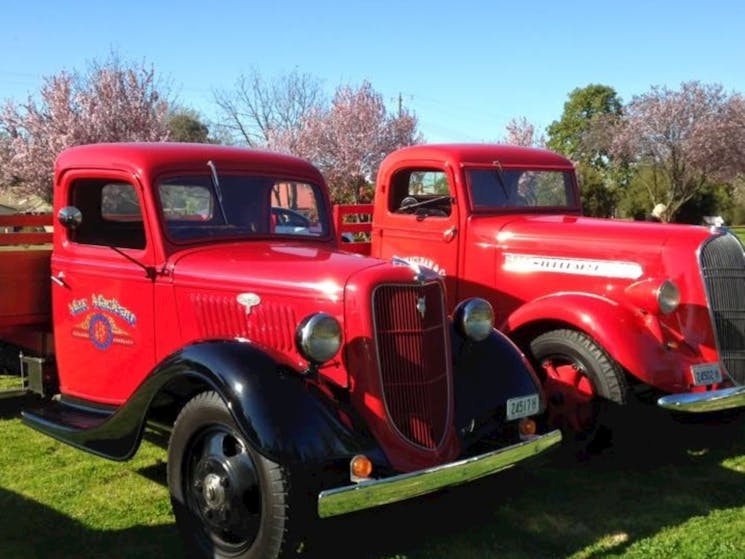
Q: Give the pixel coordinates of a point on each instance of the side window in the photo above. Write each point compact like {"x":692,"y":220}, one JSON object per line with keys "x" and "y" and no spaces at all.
{"x":111,"y":214}
{"x":422,"y":192}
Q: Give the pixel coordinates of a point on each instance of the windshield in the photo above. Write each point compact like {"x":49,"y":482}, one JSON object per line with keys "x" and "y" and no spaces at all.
{"x":249,"y":206}
{"x":520,"y":188}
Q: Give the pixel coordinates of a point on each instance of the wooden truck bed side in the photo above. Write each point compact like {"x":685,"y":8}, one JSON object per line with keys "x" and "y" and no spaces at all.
{"x":353,"y":223}
{"x":25,"y":255}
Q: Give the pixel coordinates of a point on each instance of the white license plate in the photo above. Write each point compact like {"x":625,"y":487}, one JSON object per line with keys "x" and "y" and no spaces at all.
{"x":522,"y":407}
{"x":706,"y":373}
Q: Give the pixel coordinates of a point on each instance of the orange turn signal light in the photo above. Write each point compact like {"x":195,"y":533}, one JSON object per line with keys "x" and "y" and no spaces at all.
{"x":360,"y":467}
{"x":527,"y":427}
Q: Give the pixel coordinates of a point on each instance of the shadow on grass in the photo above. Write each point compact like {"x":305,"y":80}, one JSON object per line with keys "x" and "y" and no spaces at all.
{"x":30,"y":530}
{"x":157,"y":473}
{"x":666,"y":475}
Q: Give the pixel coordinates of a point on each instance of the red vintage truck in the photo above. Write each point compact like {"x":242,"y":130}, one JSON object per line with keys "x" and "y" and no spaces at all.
{"x":606,"y":309}
{"x":201,"y":289}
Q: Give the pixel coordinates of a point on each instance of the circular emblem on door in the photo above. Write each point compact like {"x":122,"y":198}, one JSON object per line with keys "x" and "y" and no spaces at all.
{"x":100,"y":331}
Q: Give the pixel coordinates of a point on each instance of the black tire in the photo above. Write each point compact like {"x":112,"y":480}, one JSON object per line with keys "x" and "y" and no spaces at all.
{"x":228,"y":500}
{"x":579,"y":403}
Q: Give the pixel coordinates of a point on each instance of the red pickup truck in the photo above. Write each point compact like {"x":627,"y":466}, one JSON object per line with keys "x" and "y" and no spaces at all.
{"x":605,"y":308}
{"x":201,"y":288}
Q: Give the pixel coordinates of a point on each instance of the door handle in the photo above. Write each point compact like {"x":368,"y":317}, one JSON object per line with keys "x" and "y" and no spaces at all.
{"x":59,"y":279}
{"x":449,"y":233}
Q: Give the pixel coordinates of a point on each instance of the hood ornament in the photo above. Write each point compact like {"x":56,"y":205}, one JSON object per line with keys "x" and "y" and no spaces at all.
{"x":421,"y":306}
{"x":248,"y":300}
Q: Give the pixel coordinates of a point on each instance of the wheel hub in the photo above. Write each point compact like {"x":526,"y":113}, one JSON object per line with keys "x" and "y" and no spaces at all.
{"x":570,"y":394}
{"x":213,"y":491}
{"x":224,"y":491}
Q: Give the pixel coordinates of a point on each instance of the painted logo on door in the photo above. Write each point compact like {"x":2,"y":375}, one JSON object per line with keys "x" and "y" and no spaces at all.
{"x":104,"y":321}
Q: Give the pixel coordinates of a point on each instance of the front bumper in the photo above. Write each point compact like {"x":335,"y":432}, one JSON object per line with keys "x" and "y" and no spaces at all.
{"x":373,"y":493}
{"x":701,"y":402}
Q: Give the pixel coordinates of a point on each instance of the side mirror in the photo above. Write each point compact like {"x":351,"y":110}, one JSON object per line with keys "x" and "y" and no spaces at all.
{"x":70,"y":217}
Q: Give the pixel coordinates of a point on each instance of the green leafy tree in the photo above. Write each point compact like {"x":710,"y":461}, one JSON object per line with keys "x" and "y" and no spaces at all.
{"x":709,"y":200}
{"x":644,"y":186}
{"x":185,"y":125}
{"x":584,"y":133}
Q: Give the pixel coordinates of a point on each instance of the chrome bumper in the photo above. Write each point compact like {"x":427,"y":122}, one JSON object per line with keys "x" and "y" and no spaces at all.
{"x":700,"y":402}
{"x":373,"y":493}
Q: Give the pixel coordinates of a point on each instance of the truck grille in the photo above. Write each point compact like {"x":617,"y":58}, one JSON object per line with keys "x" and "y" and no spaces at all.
{"x":723,"y":270}
{"x":412,"y":346}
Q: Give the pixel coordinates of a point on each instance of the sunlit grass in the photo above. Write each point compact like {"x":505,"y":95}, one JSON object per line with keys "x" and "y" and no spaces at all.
{"x":672,"y":492}
{"x":10,"y":382}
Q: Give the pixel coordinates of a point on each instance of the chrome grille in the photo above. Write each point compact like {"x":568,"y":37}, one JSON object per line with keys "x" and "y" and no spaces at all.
{"x":411,"y":340}
{"x":723,"y":271}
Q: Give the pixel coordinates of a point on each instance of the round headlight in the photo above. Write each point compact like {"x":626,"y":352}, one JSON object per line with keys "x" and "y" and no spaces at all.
{"x":318,"y":337}
{"x":475,"y":319}
{"x":668,"y":297}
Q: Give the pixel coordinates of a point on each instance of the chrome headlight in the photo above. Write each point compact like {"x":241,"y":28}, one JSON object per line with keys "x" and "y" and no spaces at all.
{"x":668,"y":297}
{"x":474,"y":318}
{"x":318,"y":337}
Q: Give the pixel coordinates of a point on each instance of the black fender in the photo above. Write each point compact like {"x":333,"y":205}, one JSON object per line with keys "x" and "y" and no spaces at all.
{"x":488,"y":373}
{"x":283,"y":415}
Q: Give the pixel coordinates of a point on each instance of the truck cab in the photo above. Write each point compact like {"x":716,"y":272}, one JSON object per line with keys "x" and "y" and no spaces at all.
{"x":201,"y":289}
{"x":606,"y":309}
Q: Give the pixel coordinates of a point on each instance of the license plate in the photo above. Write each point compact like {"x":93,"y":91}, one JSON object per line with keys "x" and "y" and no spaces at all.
{"x":522,"y":407}
{"x":706,"y":373}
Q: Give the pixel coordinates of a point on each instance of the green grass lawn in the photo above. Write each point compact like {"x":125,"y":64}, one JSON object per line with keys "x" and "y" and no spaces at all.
{"x":677,"y":492}
{"x":9,"y":382}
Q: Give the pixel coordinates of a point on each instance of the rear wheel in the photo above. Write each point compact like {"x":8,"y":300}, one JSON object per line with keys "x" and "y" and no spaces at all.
{"x":581,"y":382}
{"x":228,"y":500}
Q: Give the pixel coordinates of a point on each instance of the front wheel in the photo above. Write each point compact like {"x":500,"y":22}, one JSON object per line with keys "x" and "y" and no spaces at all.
{"x":228,"y":500}
{"x":581,"y":381}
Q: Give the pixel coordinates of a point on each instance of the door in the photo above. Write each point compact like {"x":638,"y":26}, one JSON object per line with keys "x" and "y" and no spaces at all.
{"x":420,"y":222}
{"x":103,"y":294}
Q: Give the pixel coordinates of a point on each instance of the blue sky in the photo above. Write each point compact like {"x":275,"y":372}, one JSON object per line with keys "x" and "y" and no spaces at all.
{"x":464,"y":67}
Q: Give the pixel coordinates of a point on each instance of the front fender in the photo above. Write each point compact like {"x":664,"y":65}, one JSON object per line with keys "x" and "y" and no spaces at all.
{"x":622,"y":333}
{"x":285,"y":417}
{"x":487,"y":374}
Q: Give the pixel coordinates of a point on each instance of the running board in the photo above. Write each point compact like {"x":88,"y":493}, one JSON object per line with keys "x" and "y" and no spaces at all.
{"x":112,"y":435}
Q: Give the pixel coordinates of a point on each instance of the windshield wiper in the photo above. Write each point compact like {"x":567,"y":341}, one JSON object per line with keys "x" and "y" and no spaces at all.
{"x":500,"y":178}
{"x":218,"y":190}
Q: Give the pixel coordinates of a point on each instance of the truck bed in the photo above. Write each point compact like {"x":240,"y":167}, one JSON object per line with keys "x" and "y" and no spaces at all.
{"x":25,"y":255}
{"x":353,"y":224}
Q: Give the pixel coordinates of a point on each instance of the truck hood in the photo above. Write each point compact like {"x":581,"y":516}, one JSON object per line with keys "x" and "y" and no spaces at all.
{"x":565,"y":235}
{"x":291,"y":268}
